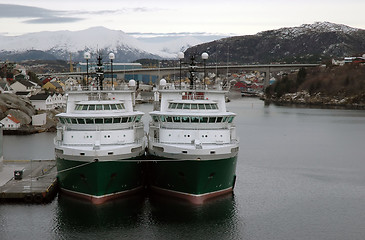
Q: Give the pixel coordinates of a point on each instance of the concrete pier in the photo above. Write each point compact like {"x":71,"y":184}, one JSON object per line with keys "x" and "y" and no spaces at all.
{"x":31,"y":181}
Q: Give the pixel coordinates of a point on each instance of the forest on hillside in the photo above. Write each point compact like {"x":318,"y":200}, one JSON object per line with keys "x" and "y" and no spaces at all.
{"x":344,"y":81}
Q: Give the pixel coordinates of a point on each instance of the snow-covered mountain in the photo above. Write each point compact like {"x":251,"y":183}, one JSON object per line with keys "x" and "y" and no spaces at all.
{"x":308,"y":43}
{"x":60,"y":44}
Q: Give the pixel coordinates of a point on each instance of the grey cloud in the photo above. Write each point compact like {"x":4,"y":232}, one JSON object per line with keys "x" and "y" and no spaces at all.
{"x":37,"y":15}
{"x":116,"y":11}
{"x":20,"y":11}
{"x":52,"y":20}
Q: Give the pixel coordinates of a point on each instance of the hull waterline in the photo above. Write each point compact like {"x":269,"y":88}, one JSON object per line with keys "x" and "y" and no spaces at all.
{"x":99,"y":182}
{"x":194,"y":181}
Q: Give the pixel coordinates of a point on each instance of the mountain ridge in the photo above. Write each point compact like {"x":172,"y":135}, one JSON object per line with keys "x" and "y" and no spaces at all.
{"x":308,"y":43}
{"x":61,"y":43}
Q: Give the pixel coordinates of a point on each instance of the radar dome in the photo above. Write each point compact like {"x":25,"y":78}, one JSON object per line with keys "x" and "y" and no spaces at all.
{"x":132,"y":83}
{"x":162,"y":82}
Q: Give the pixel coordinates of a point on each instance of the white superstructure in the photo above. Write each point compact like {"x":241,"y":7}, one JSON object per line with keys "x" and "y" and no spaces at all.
{"x":101,"y":125}
{"x":191,"y":124}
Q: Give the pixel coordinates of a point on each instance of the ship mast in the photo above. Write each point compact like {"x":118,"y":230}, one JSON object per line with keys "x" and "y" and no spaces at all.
{"x":99,"y":73}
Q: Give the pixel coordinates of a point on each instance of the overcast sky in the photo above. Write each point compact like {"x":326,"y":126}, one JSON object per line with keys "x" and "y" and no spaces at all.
{"x":228,"y":17}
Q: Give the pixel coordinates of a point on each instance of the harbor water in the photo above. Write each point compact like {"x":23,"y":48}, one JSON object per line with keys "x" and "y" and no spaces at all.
{"x":300,"y":175}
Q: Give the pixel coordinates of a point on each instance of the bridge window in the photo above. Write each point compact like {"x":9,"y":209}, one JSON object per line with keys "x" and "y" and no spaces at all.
{"x":108,"y":120}
{"x":106,"y":107}
{"x":185,"y":119}
{"x":81,"y":121}
{"x":194,"y":106}
{"x":99,"y":107}
{"x":89,"y":121}
{"x":99,"y":121}
{"x":78,"y":107}
{"x":172,"y":105}
{"x":91,"y":107}
{"x":212,"y":119}
{"x":194,"y":119}
{"x":177,"y":119}
{"x":117,"y":120}
{"x":186,"y":106}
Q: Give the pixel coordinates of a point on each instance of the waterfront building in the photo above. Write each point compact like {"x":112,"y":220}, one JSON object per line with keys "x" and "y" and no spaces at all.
{"x":10,"y":122}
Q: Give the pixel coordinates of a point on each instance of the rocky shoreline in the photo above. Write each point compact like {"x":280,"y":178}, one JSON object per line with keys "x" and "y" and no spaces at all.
{"x":23,"y":111}
{"x":319,"y":100}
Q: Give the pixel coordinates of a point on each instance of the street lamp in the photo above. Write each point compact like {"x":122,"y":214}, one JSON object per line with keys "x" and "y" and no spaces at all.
{"x":204,"y":57}
{"x":180,"y":55}
{"x":111,"y":57}
{"x":87,"y":57}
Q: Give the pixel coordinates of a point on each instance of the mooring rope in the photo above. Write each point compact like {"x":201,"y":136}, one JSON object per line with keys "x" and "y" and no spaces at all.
{"x":124,"y":160}
{"x":64,"y":170}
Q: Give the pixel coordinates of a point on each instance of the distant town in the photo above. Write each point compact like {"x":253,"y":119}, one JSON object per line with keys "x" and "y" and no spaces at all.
{"x":47,"y":92}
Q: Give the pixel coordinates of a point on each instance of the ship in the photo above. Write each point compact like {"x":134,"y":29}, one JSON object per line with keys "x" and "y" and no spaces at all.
{"x":192,"y":140}
{"x":100,"y":141}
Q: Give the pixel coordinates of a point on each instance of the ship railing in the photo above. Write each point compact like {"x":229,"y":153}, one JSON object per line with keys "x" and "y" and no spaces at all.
{"x":172,"y":86}
{"x":232,"y":141}
{"x":80,"y":88}
{"x":61,"y":143}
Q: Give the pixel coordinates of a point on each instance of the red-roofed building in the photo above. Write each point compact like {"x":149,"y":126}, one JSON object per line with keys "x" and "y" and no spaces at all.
{"x":10,"y":122}
{"x":240,"y":85}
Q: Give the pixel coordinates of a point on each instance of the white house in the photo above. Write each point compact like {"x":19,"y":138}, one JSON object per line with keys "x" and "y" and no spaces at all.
{"x":23,"y":86}
{"x":58,"y":100}
{"x":42,"y":101}
{"x":71,"y":82}
{"x":10,"y":122}
{"x":4,"y":86}
{"x":39,"y":119}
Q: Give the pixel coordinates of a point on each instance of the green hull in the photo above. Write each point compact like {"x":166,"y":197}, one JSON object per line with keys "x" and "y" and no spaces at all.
{"x":98,"y":180}
{"x":193,"y":178}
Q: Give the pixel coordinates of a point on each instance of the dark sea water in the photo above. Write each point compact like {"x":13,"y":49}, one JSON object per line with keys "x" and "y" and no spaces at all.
{"x":300,"y":175}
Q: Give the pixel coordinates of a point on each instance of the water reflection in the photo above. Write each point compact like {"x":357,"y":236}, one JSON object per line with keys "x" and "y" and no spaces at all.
{"x":155,"y":217}
{"x":78,"y":217}
{"x":216,"y":219}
